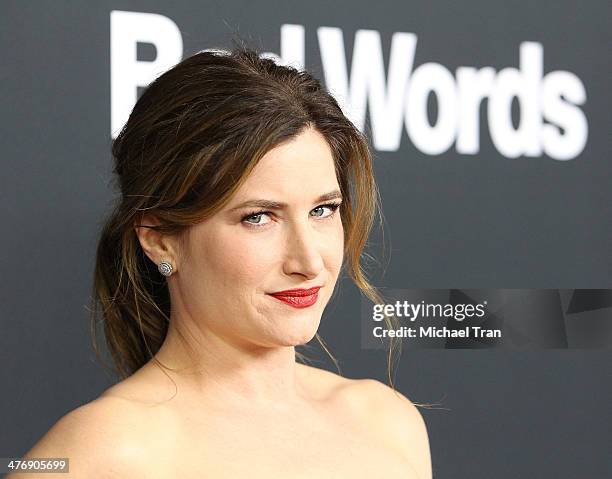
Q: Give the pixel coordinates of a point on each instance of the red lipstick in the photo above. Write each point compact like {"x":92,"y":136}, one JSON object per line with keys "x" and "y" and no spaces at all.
{"x":298,"y":298}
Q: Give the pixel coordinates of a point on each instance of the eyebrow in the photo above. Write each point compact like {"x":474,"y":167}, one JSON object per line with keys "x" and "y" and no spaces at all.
{"x":276,"y":205}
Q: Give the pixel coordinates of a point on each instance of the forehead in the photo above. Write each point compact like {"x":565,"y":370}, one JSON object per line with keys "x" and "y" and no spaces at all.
{"x":304,"y":163}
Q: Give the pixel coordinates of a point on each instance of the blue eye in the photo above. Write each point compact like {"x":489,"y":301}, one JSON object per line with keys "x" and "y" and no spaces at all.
{"x":332,"y":206}
{"x":254,"y":215}
{"x":258,"y":215}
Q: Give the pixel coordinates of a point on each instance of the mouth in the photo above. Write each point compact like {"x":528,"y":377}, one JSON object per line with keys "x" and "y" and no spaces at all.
{"x":298,"y":298}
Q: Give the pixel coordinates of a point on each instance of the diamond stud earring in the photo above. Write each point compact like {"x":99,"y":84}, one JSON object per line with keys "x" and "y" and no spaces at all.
{"x":165,"y":268}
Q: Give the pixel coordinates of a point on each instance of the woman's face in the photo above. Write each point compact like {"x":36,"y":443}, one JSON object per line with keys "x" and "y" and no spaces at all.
{"x":237,"y":258}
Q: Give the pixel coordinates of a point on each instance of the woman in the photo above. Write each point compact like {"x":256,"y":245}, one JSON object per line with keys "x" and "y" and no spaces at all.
{"x":244,"y":191}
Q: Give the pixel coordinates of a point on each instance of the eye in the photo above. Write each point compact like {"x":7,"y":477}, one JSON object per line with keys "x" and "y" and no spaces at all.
{"x":257,"y":216}
{"x":331,"y":206}
{"x":254,"y":218}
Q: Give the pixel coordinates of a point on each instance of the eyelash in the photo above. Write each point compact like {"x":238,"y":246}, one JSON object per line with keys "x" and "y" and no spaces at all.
{"x":332,"y":206}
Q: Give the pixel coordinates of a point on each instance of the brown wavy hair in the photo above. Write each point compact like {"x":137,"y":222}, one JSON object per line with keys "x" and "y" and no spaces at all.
{"x":190,"y":142}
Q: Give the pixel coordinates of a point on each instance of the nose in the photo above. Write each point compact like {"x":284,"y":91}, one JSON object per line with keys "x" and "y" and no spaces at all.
{"x":302,"y":254}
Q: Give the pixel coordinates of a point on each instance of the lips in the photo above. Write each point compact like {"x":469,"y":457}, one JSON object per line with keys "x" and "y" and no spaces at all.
{"x":298,"y":298}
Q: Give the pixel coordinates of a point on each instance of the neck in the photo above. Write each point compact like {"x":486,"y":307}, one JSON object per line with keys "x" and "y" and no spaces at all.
{"x":212,"y":368}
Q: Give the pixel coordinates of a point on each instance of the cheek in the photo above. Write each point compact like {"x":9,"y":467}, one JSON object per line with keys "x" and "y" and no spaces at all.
{"x":335,"y":248}
{"x":239,"y":258}
{"x":228,"y":275}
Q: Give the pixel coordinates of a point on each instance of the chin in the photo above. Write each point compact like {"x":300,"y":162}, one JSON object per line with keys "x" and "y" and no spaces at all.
{"x":303,"y":340}
{"x":291,"y":327}
{"x":298,"y":338}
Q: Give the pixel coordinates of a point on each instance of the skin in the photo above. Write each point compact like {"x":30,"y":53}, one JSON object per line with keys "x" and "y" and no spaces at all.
{"x":237,"y":403}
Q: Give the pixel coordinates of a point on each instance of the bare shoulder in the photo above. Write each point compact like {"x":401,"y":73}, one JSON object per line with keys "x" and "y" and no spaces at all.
{"x":389,"y":415}
{"x":100,"y":438}
{"x":322,"y":383}
{"x":395,"y":418}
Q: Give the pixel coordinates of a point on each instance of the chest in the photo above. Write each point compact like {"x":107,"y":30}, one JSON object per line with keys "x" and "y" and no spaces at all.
{"x":238,"y":449}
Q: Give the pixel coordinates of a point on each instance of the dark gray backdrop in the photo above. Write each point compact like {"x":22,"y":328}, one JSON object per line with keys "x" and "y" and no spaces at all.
{"x":453,"y":220}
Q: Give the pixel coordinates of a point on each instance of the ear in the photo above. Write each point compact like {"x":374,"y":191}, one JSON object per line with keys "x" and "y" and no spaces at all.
{"x":156,"y":245}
